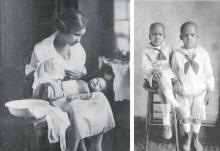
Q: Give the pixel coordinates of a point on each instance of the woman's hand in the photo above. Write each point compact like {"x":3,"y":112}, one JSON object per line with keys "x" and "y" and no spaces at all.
{"x":70,"y":75}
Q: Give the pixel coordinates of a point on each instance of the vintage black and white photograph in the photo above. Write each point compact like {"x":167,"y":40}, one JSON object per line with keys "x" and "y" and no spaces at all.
{"x":64,"y":75}
{"x":176,"y":75}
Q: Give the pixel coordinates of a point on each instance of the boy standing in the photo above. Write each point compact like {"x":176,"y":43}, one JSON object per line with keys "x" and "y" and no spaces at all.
{"x":156,"y":67}
{"x":191,"y":64}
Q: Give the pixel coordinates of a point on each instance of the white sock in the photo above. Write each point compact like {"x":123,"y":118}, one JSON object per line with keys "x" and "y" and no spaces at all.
{"x":166,"y":113}
{"x":170,"y":97}
{"x":196,"y":128}
{"x":187,"y":128}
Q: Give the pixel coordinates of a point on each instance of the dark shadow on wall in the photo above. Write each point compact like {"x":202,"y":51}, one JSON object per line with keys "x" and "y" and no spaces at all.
{"x":99,"y":39}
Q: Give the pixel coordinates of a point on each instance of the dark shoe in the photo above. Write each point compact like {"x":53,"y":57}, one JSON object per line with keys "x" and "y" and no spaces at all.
{"x":187,"y":143}
{"x":197,"y":145}
{"x":167,"y":132}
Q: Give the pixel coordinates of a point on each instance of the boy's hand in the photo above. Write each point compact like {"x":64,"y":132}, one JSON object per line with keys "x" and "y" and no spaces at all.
{"x":207,"y":97}
{"x":157,"y":74}
{"x":177,"y":87}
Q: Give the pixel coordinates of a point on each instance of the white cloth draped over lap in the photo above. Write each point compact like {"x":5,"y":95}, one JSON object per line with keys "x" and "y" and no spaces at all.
{"x":91,"y":116}
{"x":57,"y":122}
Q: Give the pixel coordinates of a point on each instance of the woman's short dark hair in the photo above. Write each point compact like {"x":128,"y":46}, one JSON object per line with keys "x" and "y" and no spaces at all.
{"x":71,"y":19}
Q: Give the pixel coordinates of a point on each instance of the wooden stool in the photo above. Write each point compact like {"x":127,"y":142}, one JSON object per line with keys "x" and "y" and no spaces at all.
{"x":23,"y":134}
{"x":150,"y":119}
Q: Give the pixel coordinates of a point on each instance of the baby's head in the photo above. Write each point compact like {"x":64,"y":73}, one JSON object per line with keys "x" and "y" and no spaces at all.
{"x":189,"y":34}
{"x":157,"y":34}
{"x":97,"y":85}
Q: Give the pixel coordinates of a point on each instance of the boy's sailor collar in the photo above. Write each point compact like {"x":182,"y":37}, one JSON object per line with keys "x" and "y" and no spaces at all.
{"x":150,"y":46}
{"x":189,"y":51}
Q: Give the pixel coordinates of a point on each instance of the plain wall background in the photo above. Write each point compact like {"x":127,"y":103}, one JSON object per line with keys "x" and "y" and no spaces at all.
{"x":173,"y":14}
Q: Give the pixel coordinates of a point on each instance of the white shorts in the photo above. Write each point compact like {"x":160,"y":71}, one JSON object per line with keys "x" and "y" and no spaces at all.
{"x":193,"y":107}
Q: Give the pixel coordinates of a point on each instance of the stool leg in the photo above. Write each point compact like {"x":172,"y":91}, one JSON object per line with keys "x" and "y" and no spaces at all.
{"x":35,"y":141}
{"x":176,"y":129}
{"x":148,"y":119}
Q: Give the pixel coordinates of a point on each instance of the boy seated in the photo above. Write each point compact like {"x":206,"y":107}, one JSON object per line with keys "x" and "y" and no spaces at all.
{"x":156,"y":67}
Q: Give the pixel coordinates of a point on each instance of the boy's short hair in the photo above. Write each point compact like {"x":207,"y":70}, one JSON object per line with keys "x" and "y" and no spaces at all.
{"x":156,"y":24}
{"x":186,"y":24}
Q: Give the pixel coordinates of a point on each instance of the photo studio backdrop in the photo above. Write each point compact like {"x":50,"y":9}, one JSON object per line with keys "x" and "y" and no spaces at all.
{"x":173,"y":14}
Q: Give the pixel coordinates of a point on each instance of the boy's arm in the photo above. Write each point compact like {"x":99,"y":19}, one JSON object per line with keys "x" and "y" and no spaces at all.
{"x":146,"y":64}
{"x":209,"y":78}
{"x":177,"y":85}
{"x":208,"y":73}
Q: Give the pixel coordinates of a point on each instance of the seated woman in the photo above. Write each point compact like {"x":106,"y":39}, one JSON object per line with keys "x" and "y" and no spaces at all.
{"x":88,"y":118}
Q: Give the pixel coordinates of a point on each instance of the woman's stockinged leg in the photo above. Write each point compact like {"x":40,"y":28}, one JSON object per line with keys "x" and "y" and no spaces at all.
{"x":82,"y":146}
{"x":96,"y":142}
{"x":72,"y":140}
{"x":72,"y":133}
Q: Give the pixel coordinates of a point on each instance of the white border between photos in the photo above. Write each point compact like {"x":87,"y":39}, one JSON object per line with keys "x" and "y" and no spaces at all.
{"x":131,"y":75}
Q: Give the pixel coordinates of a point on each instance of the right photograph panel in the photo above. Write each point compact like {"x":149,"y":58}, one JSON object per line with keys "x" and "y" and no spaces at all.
{"x":176,"y":73}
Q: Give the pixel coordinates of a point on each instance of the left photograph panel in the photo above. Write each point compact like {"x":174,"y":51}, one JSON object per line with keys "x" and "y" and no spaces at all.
{"x":64,"y":75}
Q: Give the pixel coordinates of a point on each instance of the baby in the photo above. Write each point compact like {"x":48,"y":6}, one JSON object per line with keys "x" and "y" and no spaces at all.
{"x":156,"y":66}
{"x":53,"y":78}
{"x":192,"y":66}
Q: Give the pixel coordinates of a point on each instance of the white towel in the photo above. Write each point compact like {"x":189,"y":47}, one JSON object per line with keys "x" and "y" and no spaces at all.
{"x":41,"y":76}
{"x":57,"y":122}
